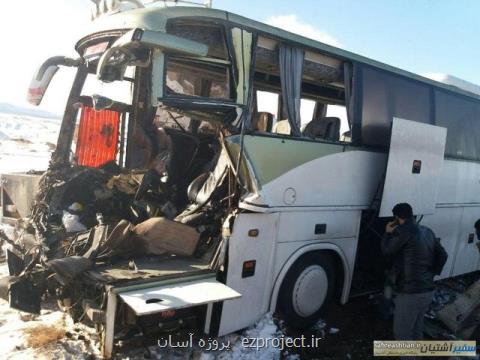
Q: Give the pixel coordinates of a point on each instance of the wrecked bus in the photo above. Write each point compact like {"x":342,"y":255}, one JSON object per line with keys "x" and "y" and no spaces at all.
{"x":185,"y":206}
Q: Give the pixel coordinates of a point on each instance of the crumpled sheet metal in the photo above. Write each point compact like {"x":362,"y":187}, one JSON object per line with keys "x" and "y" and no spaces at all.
{"x":119,"y":243}
{"x":125,"y":183}
{"x":67,"y":269}
{"x":21,"y":293}
{"x":92,"y":190}
{"x":456,"y":314}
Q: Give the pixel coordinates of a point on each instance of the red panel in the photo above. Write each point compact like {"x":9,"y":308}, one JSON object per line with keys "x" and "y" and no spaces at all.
{"x":97,"y":140}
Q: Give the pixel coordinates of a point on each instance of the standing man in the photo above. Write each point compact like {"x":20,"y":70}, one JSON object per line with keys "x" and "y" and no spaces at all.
{"x":477,"y":232}
{"x":412,"y":250}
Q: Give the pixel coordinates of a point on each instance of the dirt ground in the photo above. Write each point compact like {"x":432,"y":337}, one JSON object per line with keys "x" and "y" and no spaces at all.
{"x":357,"y":324}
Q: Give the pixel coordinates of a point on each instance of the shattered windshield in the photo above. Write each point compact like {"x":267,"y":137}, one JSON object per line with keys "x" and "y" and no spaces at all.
{"x":119,"y":91}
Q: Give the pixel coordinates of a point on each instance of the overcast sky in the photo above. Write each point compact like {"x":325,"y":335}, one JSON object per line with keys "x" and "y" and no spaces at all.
{"x":422,"y":36}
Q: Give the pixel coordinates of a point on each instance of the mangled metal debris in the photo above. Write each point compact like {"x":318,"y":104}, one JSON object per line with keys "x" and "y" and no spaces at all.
{"x":455,"y":309}
{"x":87,"y":221}
{"x":463,"y":313}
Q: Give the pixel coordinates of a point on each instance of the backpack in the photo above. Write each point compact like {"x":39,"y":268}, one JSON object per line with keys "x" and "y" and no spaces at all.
{"x":440,"y":256}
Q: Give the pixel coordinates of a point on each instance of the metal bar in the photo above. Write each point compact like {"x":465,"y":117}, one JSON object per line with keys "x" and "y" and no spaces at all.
{"x":65,"y":136}
{"x":208,"y":318}
{"x":2,"y":199}
{"x":107,"y":346}
{"x":123,"y":120}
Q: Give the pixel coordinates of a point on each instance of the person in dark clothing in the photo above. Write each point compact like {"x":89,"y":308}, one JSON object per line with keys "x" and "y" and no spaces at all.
{"x":411,"y":248}
{"x":477,"y":231}
{"x":477,"y":228}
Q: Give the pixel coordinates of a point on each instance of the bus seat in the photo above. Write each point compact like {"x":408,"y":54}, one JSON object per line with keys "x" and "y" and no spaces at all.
{"x":282,"y":127}
{"x":203,"y":186}
{"x":327,"y":128}
{"x":196,"y":185}
{"x":262,"y":122}
{"x":346,"y":136}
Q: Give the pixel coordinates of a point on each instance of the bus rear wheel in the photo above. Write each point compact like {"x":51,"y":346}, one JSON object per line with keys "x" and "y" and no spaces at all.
{"x":307,"y":290}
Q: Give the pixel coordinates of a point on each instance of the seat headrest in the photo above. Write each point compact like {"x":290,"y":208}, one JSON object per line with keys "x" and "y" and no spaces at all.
{"x":262,"y":121}
{"x":325,"y":127}
{"x":282,"y":127}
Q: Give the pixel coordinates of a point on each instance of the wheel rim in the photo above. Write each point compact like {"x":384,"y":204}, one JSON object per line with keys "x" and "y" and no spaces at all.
{"x":310,"y":290}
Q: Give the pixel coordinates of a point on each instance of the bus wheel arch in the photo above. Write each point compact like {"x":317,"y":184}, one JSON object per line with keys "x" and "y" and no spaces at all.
{"x":322,"y":264}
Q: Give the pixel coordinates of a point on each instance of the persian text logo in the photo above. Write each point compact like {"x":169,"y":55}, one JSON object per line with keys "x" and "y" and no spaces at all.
{"x":424,"y":348}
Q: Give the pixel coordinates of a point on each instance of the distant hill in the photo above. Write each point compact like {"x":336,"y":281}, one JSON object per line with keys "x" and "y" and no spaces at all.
{"x":20,"y":110}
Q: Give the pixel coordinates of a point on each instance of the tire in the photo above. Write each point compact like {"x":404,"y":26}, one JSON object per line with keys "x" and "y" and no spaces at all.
{"x":301,"y":301}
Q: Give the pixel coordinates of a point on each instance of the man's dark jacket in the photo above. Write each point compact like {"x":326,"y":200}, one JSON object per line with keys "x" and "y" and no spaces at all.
{"x":411,"y":247}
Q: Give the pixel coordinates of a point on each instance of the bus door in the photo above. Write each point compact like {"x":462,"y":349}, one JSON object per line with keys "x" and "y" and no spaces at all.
{"x":414,"y":166}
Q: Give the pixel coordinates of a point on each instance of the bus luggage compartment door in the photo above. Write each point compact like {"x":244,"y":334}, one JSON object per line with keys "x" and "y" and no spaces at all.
{"x":177,"y":296}
{"x":414,"y":166}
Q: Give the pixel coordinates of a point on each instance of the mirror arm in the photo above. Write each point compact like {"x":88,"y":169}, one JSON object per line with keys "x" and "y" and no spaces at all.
{"x":57,"y":61}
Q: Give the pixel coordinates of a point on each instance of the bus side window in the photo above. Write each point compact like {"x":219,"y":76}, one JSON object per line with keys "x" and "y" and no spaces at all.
{"x":268,"y":102}
{"x":307,"y":109}
{"x":266,"y":112}
{"x":323,"y":121}
{"x":340,"y":111}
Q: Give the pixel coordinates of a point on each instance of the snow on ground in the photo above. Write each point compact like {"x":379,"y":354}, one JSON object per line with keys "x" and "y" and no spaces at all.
{"x":50,"y":335}
{"x":265,"y":328}
{"x":53,"y":335}
{"x":26,"y":142}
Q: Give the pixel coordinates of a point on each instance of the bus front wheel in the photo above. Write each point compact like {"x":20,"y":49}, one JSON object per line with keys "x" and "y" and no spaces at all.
{"x":307,"y":290}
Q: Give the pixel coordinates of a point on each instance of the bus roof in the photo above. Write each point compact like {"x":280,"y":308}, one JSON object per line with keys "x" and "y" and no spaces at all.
{"x":156,"y":18}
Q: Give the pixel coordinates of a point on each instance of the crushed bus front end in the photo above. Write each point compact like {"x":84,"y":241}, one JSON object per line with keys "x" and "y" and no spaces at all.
{"x":143,"y":187}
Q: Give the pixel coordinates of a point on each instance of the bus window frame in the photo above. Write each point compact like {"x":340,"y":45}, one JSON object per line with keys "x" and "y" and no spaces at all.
{"x":225,"y":27}
{"x":168,"y":95}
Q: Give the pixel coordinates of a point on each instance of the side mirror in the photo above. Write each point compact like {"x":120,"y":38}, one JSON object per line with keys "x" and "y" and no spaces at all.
{"x":43,"y":76}
{"x":113,"y":63}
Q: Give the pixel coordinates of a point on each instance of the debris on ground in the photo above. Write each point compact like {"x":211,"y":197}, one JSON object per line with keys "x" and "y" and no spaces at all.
{"x":441,"y":297}
{"x":462,"y":313}
{"x":50,"y":335}
{"x":319,"y":325}
{"x":455,"y":309}
{"x":41,"y":335}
